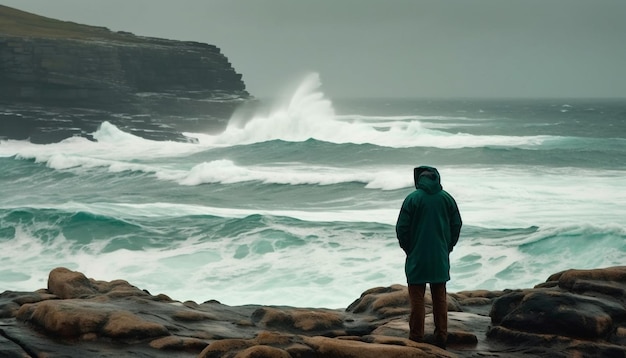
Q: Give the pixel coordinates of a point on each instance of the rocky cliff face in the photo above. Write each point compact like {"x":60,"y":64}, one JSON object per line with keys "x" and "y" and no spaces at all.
{"x":115,"y":75}
{"x":54,"y":64}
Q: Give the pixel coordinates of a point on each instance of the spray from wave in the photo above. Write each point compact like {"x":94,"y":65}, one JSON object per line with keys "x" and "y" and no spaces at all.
{"x":308,"y":114}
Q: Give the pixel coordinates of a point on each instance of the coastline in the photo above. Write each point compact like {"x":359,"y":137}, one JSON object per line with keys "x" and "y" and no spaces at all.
{"x":574,"y":313}
{"x":67,"y":81}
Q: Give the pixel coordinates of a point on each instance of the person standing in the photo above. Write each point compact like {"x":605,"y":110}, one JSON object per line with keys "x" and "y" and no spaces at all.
{"x":428,"y":228}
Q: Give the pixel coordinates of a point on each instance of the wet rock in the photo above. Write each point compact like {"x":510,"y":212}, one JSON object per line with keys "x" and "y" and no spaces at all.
{"x":319,"y":321}
{"x":462,"y":328}
{"x":173,"y":343}
{"x":383,"y":301}
{"x":69,"y":284}
{"x":79,"y":316}
{"x":565,"y":314}
{"x":392,"y":301}
{"x":610,"y":280}
{"x":66,"y":284}
{"x":375,"y":347}
{"x":579,"y":311}
{"x":277,"y":345}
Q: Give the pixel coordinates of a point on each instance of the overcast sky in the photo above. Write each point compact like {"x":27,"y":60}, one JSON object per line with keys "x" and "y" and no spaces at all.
{"x":383,"y":48}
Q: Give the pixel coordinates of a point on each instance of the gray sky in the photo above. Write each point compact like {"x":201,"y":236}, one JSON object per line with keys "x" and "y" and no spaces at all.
{"x":383,"y":48}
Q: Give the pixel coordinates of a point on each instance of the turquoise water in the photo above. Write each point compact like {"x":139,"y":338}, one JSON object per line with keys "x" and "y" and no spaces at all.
{"x":296,"y":205}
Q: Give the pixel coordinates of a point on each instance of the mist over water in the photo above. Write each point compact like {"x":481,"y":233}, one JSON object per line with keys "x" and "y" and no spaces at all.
{"x":297,"y":203}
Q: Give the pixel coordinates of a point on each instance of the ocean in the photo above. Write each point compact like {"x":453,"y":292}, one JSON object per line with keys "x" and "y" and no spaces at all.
{"x":296,"y":203}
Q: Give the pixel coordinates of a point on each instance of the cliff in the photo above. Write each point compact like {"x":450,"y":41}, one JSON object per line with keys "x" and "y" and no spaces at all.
{"x":58,"y":65}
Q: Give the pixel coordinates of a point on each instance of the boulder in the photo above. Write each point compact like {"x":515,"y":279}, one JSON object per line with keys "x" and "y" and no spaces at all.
{"x":65,"y":284}
{"x":320,"y":321}
{"x":86,"y":319}
{"x":582,"y":312}
{"x":391,"y":301}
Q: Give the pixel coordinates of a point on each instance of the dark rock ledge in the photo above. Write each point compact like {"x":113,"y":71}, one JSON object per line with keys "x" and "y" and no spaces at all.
{"x":575,"y":313}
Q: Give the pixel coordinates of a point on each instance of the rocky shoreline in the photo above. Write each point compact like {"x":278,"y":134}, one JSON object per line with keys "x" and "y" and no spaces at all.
{"x":575,"y":313}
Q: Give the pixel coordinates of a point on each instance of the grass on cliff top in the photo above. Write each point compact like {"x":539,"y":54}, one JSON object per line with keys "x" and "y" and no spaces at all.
{"x":14,"y":22}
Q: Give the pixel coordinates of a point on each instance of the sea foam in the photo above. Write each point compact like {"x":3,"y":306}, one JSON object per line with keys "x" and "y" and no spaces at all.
{"x":296,"y":205}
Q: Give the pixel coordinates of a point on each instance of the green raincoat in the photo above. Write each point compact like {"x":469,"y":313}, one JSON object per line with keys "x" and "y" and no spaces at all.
{"x":428,"y":227}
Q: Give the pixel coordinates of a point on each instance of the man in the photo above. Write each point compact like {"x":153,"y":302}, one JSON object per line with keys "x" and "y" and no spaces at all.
{"x":428,"y":227}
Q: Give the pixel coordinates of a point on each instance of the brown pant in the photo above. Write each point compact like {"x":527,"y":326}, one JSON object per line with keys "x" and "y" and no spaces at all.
{"x":418,"y":312}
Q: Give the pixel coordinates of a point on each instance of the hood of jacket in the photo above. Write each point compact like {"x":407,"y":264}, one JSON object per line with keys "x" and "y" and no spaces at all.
{"x":428,"y":179}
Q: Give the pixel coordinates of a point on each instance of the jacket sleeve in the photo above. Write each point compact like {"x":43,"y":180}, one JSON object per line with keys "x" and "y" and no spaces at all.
{"x":403,"y":225}
{"x":455,"y":225}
